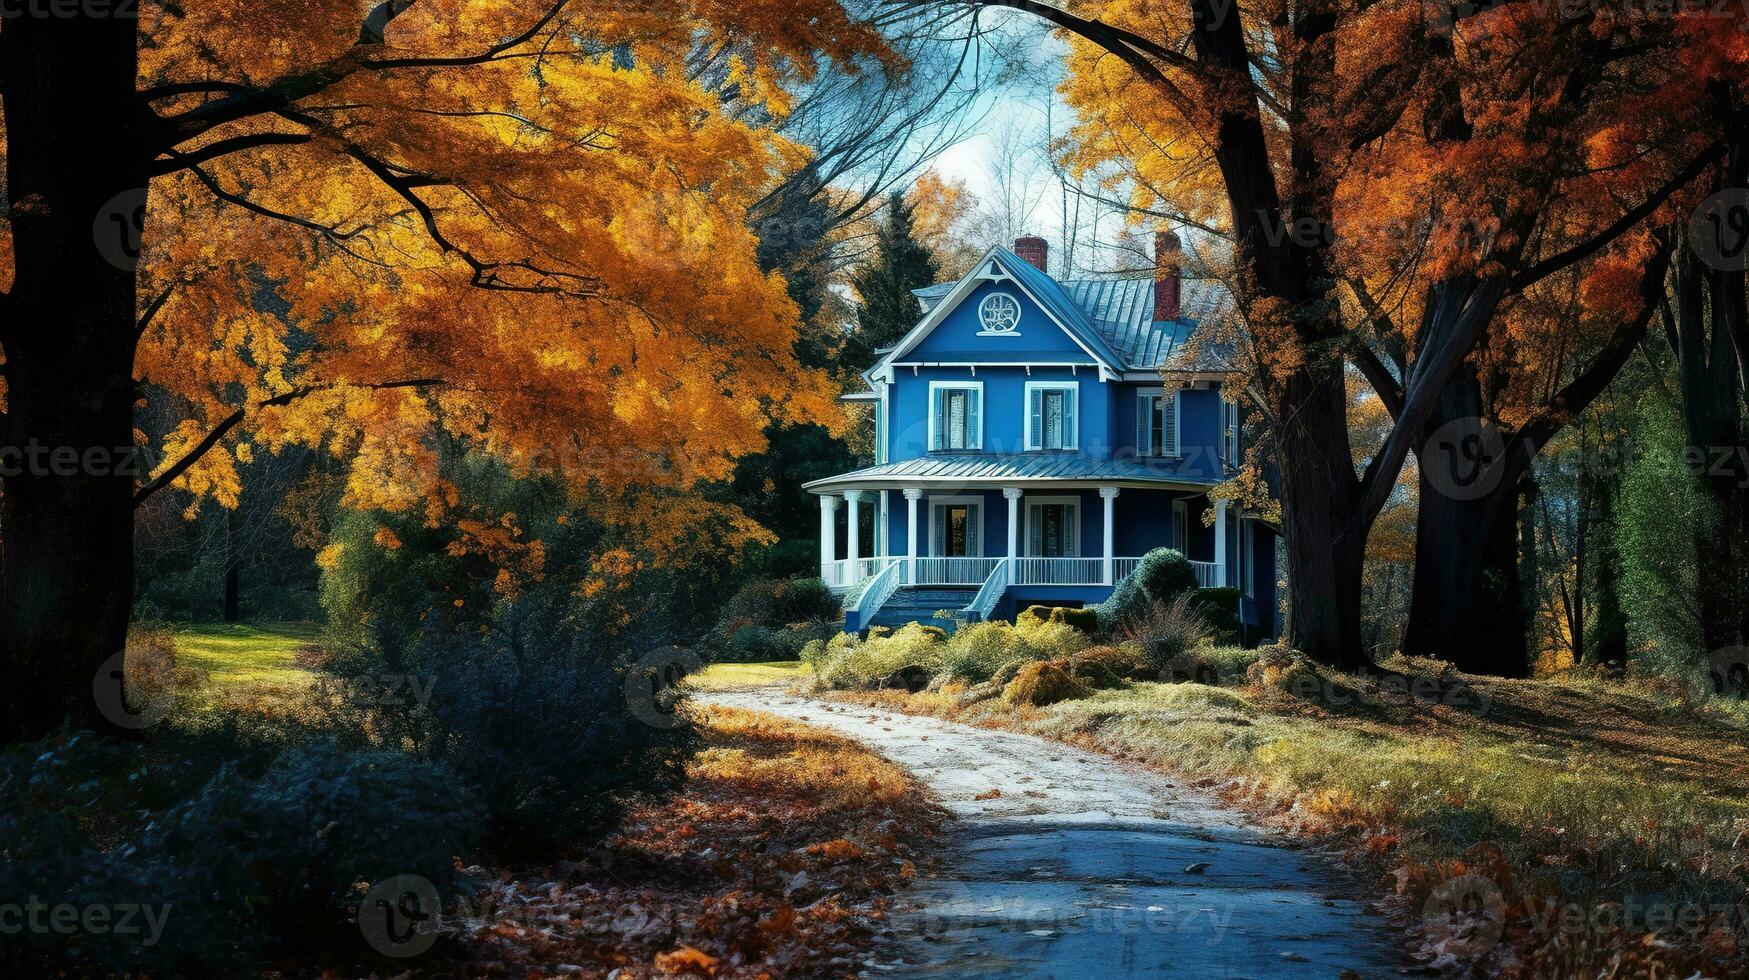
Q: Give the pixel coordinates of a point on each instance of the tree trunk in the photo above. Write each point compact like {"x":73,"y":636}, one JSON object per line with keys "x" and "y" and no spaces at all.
{"x":1466,"y":606}
{"x":1325,"y":537}
{"x":66,"y":511}
{"x":1709,"y":379}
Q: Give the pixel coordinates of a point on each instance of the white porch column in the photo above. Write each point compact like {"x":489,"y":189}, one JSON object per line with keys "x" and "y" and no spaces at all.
{"x":853,"y":545}
{"x":828,"y":534}
{"x":1013,"y":495}
{"x":911,"y":498}
{"x":1221,"y":543}
{"x":1109,"y":496}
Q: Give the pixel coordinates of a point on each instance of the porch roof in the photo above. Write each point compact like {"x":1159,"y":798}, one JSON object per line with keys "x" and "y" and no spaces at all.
{"x":994,"y":470}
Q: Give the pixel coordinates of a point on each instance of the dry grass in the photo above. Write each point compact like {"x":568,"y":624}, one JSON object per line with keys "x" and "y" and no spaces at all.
{"x":1570,"y":796}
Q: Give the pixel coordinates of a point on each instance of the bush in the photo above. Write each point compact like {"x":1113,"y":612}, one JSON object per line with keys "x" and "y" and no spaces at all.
{"x":1167,"y":633}
{"x":977,"y":651}
{"x":1044,"y":682}
{"x":900,"y":659}
{"x":1051,"y":640}
{"x":1085,"y":620}
{"x":752,"y":644}
{"x":1221,"y":608}
{"x":1125,"y":660}
{"x":261,"y":857}
{"x":779,"y":602}
{"x":1160,"y":577}
{"x":537,"y":714}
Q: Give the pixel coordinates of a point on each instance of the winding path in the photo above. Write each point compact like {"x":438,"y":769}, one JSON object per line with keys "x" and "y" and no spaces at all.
{"x":1088,"y":867}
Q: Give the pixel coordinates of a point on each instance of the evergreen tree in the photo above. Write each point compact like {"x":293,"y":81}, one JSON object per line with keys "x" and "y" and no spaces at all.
{"x":888,"y":309}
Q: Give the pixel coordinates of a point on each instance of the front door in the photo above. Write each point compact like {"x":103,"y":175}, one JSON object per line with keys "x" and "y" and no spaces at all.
{"x":955,"y":534}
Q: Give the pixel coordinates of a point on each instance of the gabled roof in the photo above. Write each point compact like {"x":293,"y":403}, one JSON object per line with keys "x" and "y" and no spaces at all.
{"x":1116,"y":316}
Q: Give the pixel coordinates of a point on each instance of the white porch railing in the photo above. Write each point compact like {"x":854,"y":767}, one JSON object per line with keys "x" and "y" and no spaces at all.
{"x":878,"y":590}
{"x":984,"y":603}
{"x":955,"y":571}
{"x":1059,"y":571}
{"x":977,"y":571}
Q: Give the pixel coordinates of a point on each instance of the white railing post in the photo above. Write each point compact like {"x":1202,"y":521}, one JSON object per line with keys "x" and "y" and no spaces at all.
{"x":1109,"y":496}
{"x":853,"y":542}
{"x":911,"y":498}
{"x":828,"y":534}
{"x":1013,"y":495}
{"x":1221,"y":543}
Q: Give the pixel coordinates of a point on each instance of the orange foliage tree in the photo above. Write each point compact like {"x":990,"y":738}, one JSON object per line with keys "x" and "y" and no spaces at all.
{"x":522,"y":222}
{"x":1428,"y":163}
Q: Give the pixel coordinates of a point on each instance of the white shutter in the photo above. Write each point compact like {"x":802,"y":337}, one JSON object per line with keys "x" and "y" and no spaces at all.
{"x":1070,"y":440}
{"x":1169,"y":424}
{"x":1144,"y":424}
{"x":1035,"y":412}
{"x":940,"y":440}
{"x":974,"y":431}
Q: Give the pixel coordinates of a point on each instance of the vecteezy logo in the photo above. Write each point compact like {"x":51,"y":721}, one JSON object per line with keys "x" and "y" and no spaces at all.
{"x":120,"y":228}
{"x":1718,"y":231}
{"x":653,"y":686}
{"x":1464,"y":458}
{"x":400,"y":916}
{"x":1728,"y":672}
{"x":1464,"y":916}
{"x":116,"y":703}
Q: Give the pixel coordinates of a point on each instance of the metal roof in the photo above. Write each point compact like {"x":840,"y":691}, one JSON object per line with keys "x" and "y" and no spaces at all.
{"x":984,"y":470}
{"x":1119,"y":313}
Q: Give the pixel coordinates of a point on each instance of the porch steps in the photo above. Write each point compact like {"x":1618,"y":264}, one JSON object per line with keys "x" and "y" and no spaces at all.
{"x":918,"y":604}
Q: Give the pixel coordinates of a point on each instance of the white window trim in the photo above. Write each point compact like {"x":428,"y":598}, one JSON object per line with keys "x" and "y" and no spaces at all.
{"x":934,"y":386}
{"x":1027,"y":503}
{"x":1019,"y":314}
{"x":1177,"y":425}
{"x":1074,"y":390}
{"x":883,"y":412}
{"x":977,"y":501}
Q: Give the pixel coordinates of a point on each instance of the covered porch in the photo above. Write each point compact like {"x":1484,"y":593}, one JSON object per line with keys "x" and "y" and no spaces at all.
{"x":1064,"y":537}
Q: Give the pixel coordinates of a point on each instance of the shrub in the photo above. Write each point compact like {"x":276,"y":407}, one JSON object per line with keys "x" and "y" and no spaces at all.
{"x":779,"y":602}
{"x":1085,"y":620}
{"x":536,"y":714}
{"x":1053,"y":640}
{"x":1167,"y":633}
{"x":1124,"y":660}
{"x":1160,"y":577}
{"x":904,"y":658}
{"x":1221,"y":608}
{"x":977,"y":651}
{"x":1044,"y":682}
{"x":753,"y":643}
{"x":261,"y":857}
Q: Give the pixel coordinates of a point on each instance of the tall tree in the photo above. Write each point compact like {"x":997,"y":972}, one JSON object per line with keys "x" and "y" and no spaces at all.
{"x":886,"y":308}
{"x":523,"y":222}
{"x":1346,"y":141}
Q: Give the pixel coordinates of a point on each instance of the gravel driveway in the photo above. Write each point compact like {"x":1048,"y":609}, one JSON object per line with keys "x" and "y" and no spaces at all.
{"x":1069,"y":864}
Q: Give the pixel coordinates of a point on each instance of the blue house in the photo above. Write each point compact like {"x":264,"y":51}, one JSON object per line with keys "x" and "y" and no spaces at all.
{"x":1034,"y":438}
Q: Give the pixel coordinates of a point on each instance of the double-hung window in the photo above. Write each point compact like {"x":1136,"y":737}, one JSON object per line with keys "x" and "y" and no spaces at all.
{"x":955,"y":422}
{"x":1157,"y":425}
{"x":1050,"y":415}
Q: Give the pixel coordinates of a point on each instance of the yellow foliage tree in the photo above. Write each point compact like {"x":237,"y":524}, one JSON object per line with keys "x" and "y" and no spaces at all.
{"x":520,"y":222}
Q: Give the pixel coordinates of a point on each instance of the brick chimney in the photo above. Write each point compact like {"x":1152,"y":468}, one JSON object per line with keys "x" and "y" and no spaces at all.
{"x":1168,"y":276}
{"x":1035,"y":251}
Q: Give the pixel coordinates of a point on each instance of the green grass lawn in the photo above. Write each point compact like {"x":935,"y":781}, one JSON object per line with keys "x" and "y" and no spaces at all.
{"x":719,"y":677}
{"x":233,"y":658}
